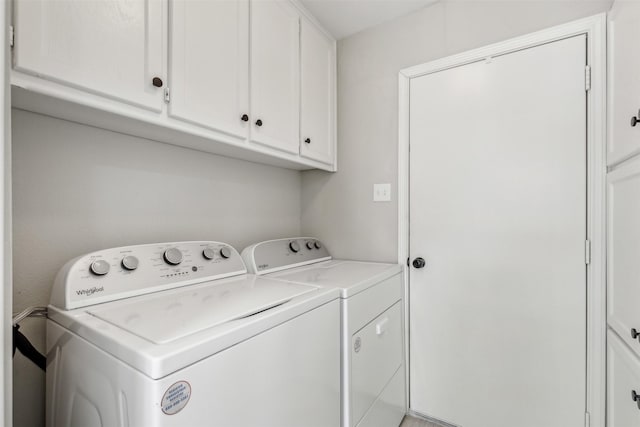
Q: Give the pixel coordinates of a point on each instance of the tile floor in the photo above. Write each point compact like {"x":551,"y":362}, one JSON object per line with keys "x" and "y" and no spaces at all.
{"x":416,"y":422}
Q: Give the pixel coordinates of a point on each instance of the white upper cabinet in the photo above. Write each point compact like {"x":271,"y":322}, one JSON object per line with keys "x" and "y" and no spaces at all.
{"x":237,"y":78}
{"x":317,"y":94}
{"x":209,"y":51}
{"x":275,"y":75}
{"x":114,"y":48}
{"x":624,"y":81}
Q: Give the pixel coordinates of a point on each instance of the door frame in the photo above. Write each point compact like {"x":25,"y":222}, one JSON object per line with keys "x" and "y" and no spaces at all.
{"x":6,"y":293}
{"x":595,"y":29}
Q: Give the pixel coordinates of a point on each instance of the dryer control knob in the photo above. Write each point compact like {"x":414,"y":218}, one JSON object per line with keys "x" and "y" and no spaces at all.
{"x":294,"y":246}
{"x":317,"y":244}
{"x":310,"y":245}
{"x":225,"y":252}
{"x":130,"y":262}
{"x":100,"y":267}
{"x":173,"y":256}
{"x":208,"y":253}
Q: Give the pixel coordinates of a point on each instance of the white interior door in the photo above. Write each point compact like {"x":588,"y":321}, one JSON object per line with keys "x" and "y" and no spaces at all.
{"x":498,"y":211}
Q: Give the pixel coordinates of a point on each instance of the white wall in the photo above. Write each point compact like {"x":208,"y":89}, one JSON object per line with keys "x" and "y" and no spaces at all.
{"x":78,"y":189}
{"x":338,"y":208}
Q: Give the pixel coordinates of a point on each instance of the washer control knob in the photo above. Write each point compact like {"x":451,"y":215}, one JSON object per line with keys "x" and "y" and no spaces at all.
{"x":294,"y":246}
{"x":208,"y":253}
{"x":99,"y":267}
{"x":317,"y":244}
{"x":173,"y":256}
{"x":130,"y":262}
{"x":225,"y":252}
{"x":310,"y":245}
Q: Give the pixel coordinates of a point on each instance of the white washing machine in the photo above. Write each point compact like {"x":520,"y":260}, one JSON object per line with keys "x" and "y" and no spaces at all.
{"x":373,"y":375}
{"x":178,"y":334}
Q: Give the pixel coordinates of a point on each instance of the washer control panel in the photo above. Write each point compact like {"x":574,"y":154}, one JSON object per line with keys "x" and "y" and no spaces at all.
{"x":128,"y":271}
{"x":274,"y":255}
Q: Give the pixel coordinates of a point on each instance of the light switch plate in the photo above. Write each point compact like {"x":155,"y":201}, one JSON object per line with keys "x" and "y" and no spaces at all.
{"x":381,"y":192}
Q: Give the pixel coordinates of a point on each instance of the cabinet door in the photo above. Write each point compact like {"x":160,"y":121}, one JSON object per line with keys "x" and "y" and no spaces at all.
{"x":210,"y":64}
{"x":275,"y":75}
{"x":317,"y":97}
{"x":114,"y":48}
{"x":623,"y":379}
{"x":623,"y":266}
{"x":624,"y":80}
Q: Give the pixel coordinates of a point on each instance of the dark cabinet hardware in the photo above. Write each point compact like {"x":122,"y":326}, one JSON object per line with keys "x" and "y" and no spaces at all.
{"x":419,"y":263}
{"x":157,"y":82}
{"x":635,"y":397}
{"x":635,"y":120}
{"x":308,"y":140}
{"x":258,"y":122}
{"x":244,"y":118}
{"x":634,"y":333}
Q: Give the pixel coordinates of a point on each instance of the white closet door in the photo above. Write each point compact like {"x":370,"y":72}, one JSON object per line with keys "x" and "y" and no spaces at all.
{"x":114,"y":48}
{"x":498,"y":211}
{"x":275,"y":74}
{"x":210,"y":64}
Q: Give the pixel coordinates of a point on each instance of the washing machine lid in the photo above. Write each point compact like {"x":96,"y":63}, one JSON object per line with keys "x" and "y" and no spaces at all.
{"x":351,"y":277}
{"x":169,"y":316}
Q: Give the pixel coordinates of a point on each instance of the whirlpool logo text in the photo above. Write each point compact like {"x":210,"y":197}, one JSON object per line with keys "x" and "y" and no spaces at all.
{"x":90,"y":291}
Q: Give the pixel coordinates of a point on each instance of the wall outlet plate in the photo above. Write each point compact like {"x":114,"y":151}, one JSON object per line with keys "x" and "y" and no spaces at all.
{"x":381,"y":192}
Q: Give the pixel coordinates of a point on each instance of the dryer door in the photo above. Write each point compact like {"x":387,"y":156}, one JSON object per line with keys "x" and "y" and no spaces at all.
{"x":376,"y":355}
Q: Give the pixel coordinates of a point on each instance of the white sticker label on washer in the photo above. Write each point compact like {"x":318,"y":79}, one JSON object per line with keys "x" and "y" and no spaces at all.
{"x":176,"y":397}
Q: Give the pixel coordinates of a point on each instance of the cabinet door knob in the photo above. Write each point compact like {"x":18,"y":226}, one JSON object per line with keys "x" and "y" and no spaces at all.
{"x":244,"y":118}
{"x":634,"y":333}
{"x":308,"y":140}
{"x":635,"y":120}
{"x":157,"y":82}
{"x":635,"y":397}
{"x":258,"y":122}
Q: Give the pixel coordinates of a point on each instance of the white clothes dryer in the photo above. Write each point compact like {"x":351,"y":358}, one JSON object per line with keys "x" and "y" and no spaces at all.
{"x":178,"y":335}
{"x":372,"y":319}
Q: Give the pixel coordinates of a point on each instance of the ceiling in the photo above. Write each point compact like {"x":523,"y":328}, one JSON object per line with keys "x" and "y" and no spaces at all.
{"x":343,"y":18}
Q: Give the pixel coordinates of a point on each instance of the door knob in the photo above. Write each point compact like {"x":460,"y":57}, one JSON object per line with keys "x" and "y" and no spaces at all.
{"x":157,"y":82}
{"x":308,"y":140}
{"x":244,"y":118}
{"x":634,"y":333}
{"x":635,"y":120}
{"x":258,"y":122}
{"x":419,"y":262}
